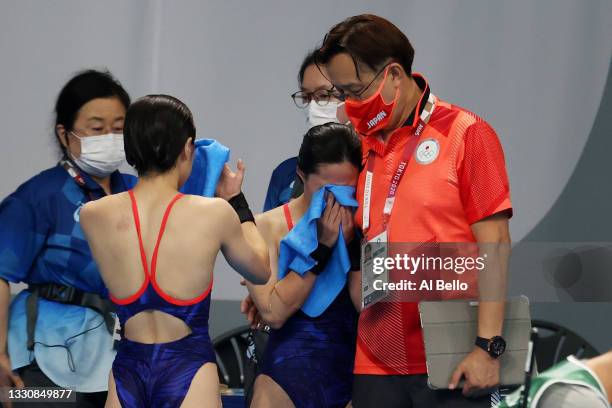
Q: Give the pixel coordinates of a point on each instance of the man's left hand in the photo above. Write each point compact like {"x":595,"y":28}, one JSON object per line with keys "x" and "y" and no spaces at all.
{"x":480,"y":370}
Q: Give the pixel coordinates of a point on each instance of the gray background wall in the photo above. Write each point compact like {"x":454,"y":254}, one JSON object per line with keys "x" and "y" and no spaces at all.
{"x":536,"y":70}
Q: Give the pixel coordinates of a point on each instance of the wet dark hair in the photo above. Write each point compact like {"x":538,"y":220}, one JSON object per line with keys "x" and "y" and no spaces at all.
{"x":370,"y":40}
{"x":327,"y":144}
{"x":155,"y":131}
{"x":82,"y":88}
{"x":309,"y":60}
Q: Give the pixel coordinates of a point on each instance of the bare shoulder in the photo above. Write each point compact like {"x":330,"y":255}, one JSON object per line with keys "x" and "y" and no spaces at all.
{"x":272,"y":224}
{"x":211,"y":205}
{"x":210,"y":213}
{"x":100,"y":210}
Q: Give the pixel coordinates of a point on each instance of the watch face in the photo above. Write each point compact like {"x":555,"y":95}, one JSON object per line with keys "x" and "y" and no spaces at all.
{"x":497,"y":346}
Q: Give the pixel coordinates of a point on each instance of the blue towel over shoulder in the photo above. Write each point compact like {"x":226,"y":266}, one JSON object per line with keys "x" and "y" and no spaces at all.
{"x":298,"y":244}
{"x":210,"y":157}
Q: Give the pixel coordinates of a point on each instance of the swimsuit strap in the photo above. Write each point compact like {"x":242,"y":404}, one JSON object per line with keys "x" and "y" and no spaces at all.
{"x":151,"y":277}
{"x":162,"y":229}
{"x":288,"y":216}
{"x":143,"y":255}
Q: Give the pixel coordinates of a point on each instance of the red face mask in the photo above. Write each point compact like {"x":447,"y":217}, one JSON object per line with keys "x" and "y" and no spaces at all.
{"x":373,"y":114}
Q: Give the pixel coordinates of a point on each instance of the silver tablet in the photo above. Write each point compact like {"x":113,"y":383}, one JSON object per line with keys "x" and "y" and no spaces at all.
{"x":449,"y":332}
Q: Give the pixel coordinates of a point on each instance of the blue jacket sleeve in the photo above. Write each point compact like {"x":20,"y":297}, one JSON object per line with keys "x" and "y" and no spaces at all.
{"x":279,"y":189}
{"x":21,"y":238}
{"x":272,"y":194}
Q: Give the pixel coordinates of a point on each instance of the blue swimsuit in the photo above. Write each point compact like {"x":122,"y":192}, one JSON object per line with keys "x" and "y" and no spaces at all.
{"x":159,"y":375}
{"x":312,"y":358}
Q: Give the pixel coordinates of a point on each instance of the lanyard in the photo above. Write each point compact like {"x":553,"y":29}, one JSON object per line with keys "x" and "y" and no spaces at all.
{"x":76,"y":176}
{"x":399,"y":172}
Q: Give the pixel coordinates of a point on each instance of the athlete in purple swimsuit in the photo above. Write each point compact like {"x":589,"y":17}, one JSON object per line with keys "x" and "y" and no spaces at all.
{"x":168,"y":367}
{"x":165,"y":357}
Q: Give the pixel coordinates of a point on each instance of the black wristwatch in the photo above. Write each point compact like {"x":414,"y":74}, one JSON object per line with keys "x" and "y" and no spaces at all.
{"x":495,"y":346}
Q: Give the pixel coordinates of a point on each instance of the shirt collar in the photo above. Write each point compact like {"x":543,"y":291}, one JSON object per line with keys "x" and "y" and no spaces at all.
{"x":422,"y":83}
{"x":375,"y":144}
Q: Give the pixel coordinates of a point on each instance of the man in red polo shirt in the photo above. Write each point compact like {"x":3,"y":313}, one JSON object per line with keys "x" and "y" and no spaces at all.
{"x":434,"y":172}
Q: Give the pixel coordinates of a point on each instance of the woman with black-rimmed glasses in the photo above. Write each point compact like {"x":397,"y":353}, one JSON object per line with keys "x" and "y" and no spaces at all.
{"x":321,"y":104}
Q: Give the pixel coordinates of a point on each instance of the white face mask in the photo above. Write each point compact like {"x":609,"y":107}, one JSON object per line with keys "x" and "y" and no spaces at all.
{"x":319,"y":115}
{"x":100,"y":155}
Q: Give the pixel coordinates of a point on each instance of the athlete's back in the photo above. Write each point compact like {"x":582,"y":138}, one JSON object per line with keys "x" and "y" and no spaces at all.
{"x":156,"y":250}
{"x":196,"y":229}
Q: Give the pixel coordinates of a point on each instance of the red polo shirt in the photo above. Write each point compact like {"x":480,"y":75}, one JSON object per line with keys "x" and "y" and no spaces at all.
{"x":456,"y":177}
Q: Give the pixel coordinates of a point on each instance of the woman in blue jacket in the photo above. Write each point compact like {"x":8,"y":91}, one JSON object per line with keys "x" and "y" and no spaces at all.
{"x":58,"y":330}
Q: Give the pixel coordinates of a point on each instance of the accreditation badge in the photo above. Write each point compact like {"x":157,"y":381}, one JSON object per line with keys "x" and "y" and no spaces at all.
{"x":373,"y":272}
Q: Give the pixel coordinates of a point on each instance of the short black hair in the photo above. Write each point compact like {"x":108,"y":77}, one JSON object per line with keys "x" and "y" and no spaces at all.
{"x":155,"y":131}
{"x":82,"y":88}
{"x":370,"y":40}
{"x":327,"y":144}
{"x":309,"y":60}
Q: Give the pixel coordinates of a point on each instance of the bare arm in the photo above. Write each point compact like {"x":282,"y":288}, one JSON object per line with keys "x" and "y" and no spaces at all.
{"x":493,"y":232}
{"x":481,"y":371}
{"x":243,"y":246}
{"x":241,"y":243}
{"x":280,"y":299}
{"x":355,"y":289}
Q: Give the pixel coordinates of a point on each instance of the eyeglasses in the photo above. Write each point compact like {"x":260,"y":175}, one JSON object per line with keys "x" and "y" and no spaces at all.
{"x":321,"y":97}
{"x":358,"y":95}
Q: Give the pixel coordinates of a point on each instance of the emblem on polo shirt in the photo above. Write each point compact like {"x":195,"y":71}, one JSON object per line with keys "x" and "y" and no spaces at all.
{"x":77,"y":212}
{"x":427,"y":151}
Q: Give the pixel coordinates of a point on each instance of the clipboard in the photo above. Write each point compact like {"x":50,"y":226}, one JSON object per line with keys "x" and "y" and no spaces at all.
{"x":449,"y":332}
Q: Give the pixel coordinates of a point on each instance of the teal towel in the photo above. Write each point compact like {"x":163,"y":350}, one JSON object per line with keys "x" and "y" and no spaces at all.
{"x":298,"y":244}
{"x":210,"y":157}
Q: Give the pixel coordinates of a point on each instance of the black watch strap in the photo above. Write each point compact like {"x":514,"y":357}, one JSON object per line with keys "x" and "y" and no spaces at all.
{"x":482,"y":343}
{"x":495,"y":346}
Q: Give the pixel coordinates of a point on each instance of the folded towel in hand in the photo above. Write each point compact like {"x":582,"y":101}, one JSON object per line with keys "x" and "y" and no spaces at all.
{"x":210,"y":157}
{"x":298,"y":244}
